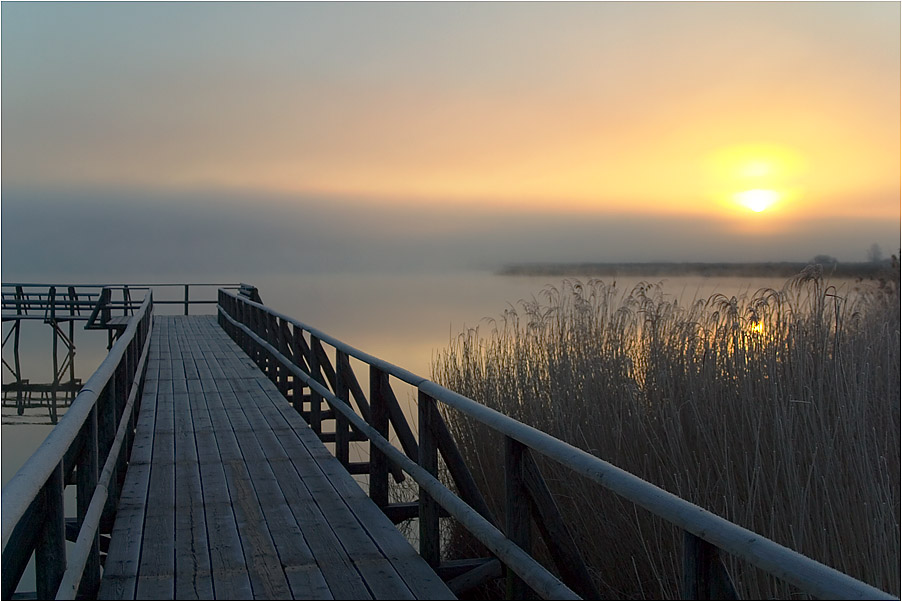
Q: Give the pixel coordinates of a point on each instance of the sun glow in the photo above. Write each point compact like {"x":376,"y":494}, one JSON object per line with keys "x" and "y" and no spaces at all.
{"x":758,"y":199}
{"x":758,"y":178}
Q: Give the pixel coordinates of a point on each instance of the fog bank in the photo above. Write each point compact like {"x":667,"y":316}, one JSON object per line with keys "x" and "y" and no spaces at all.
{"x":131,"y":235}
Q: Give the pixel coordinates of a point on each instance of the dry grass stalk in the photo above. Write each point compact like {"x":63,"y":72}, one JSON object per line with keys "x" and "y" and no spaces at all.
{"x":779,"y":412}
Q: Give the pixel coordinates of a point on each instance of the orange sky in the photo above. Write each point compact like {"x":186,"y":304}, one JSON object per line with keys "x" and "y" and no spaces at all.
{"x":620,"y":108}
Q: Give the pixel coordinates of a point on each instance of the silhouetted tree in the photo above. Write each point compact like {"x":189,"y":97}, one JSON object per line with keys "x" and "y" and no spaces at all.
{"x":824,"y":260}
{"x":875,"y":253}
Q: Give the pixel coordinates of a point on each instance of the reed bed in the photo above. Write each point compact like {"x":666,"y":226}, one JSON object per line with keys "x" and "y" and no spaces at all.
{"x":778,"y":410}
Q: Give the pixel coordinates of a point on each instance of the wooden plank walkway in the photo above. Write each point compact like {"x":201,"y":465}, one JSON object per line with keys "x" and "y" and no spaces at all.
{"x":230,"y":495}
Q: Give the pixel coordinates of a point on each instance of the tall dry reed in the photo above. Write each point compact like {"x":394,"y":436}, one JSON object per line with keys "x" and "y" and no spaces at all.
{"x":779,"y":411}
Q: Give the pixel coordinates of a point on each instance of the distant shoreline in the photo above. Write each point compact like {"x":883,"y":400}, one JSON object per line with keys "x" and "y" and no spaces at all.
{"x":749,"y":269}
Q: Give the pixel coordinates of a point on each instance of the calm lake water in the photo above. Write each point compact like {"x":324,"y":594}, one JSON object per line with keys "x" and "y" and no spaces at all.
{"x":402,"y":318}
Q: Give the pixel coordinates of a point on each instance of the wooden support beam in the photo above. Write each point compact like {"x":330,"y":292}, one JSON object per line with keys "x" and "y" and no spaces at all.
{"x":379,"y":422}
{"x":301,"y":353}
{"x":354,"y":386}
{"x":428,"y":460}
{"x":301,"y":350}
{"x":106,"y":432}
{"x":401,"y":511}
{"x":325,"y":364}
{"x":316,"y":400}
{"x":86,"y":475}
{"x":488,"y":570}
{"x":566,"y":555}
{"x":340,"y":387}
{"x":358,"y":467}
{"x":460,"y":473}
{"x":15,"y":558}
{"x":516,"y":504}
{"x":72,"y":528}
{"x":449,"y":569}
{"x":283,"y":333}
{"x":331,"y":438}
{"x":323,"y":415}
{"x":399,"y":421}
{"x":350,"y":386}
{"x":270,"y":333}
{"x":704,"y":575}
{"x":50,"y":553}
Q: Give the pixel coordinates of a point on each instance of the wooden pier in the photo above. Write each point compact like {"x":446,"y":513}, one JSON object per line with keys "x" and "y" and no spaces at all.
{"x":210,"y":458}
{"x":229,"y":494}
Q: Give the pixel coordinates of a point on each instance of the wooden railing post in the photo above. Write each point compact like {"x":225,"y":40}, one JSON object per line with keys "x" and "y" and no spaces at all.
{"x":250,"y":318}
{"x":256,"y":326}
{"x":106,"y":296}
{"x":272,"y":366}
{"x":428,"y":459}
{"x":225,"y":307}
{"x":704,"y":575}
{"x":316,"y":400}
{"x":106,"y":432}
{"x":283,"y":336}
{"x":127,"y":301}
{"x":56,"y":378}
{"x":233,"y":308}
{"x":253,"y":316}
{"x":271,"y":337}
{"x":517,"y":520}
{"x":301,"y":353}
{"x":244,"y":316}
{"x":141,"y":335}
{"x":260,"y":317}
{"x":20,"y":400}
{"x":120,"y":378}
{"x":379,"y":421}
{"x":50,"y":553}
{"x":70,"y":397}
{"x":86,"y":474}
{"x":342,"y":428}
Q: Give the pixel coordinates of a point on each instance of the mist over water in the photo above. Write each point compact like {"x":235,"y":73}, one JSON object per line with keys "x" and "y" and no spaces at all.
{"x":138,"y":236}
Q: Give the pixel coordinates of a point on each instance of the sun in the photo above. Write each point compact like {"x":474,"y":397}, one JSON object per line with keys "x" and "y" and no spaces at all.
{"x":758,"y":178}
{"x":758,"y":199}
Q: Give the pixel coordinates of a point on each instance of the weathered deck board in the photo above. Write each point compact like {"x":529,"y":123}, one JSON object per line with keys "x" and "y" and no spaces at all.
{"x":229,"y":494}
